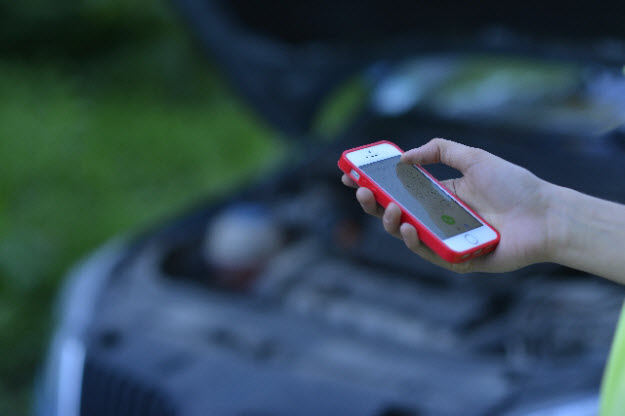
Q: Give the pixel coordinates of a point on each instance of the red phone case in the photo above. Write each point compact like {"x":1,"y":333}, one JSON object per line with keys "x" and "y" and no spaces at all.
{"x":425,"y":235}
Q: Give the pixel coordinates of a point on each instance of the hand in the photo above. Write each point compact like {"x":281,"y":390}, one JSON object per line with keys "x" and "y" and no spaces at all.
{"x":507,"y":196}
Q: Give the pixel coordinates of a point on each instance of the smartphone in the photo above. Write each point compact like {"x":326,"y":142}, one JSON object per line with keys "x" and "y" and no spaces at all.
{"x":443,"y":222}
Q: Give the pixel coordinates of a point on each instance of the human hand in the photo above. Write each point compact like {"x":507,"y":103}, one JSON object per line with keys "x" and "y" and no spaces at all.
{"x":507,"y":196}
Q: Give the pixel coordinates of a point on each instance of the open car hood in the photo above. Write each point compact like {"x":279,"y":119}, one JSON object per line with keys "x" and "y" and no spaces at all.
{"x":286,"y":57}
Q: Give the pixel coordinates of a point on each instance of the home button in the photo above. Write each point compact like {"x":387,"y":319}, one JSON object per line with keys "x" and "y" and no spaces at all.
{"x":471,"y":239}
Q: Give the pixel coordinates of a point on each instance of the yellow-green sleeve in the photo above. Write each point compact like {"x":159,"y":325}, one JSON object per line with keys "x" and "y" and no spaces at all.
{"x":613,"y":384}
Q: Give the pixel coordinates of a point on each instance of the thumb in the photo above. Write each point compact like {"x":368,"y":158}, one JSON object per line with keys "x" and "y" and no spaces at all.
{"x":453,"y":154}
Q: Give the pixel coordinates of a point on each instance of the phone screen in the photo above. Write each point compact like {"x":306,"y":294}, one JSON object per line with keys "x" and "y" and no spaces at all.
{"x":420,"y":196}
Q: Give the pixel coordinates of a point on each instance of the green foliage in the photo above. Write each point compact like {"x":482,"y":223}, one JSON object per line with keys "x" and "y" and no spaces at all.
{"x":97,"y":141}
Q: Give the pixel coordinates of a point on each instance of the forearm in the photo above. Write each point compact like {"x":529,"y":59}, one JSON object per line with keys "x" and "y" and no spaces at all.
{"x":587,"y":233}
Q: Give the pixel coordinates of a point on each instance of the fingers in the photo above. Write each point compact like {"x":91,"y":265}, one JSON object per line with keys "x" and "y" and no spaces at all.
{"x":391,"y":216}
{"x":348,"y":181}
{"x":412,"y":241}
{"x":409,"y":234}
{"x":450,"y":153}
{"x":368,"y":203}
{"x":391,"y":220}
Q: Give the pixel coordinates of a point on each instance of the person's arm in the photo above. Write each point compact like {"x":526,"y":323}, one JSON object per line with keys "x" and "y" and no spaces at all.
{"x":538,"y":221}
{"x":587,"y":233}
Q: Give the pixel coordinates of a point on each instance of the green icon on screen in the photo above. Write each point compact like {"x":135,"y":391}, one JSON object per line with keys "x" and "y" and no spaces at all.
{"x":448,"y":220}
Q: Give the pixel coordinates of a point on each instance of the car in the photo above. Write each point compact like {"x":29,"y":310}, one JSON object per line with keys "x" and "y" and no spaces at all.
{"x":286,"y":299}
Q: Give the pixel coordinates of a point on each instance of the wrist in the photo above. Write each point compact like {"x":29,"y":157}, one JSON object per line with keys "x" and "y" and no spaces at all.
{"x":557,"y":222}
{"x":584,"y":232}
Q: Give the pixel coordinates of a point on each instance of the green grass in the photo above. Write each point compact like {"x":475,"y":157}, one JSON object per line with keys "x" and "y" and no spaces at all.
{"x":93,"y":145}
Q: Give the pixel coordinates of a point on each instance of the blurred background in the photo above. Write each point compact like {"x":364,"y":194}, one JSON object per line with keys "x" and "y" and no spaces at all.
{"x":110,"y":118}
{"x":116,"y":125}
